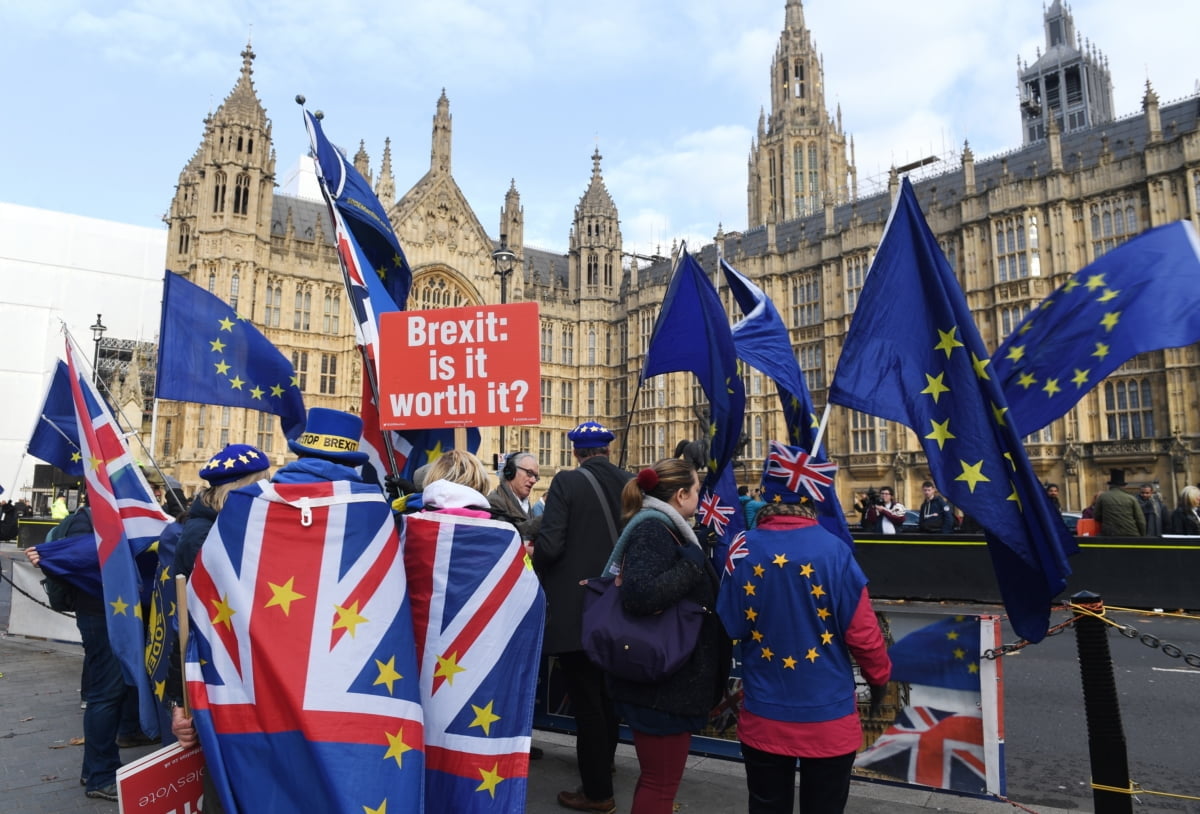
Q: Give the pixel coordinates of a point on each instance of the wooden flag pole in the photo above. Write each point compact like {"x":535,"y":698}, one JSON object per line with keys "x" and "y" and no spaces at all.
{"x":182,"y":610}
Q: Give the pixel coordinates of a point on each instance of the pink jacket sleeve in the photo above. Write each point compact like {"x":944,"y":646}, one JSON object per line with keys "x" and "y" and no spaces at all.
{"x":865,"y":640}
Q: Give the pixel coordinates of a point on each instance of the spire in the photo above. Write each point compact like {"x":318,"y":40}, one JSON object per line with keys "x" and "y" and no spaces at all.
{"x":439,"y":160}
{"x":362,"y":161}
{"x":242,"y":103}
{"x":596,"y":200}
{"x":386,"y":188}
{"x":794,"y":15}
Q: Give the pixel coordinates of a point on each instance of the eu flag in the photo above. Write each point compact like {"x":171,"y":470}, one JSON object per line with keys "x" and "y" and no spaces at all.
{"x":760,"y":339}
{"x":55,"y":439}
{"x":692,"y":334}
{"x":209,"y":354}
{"x":1143,"y":295}
{"x":942,"y":654}
{"x":363,"y":215}
{"x":914,"y":355}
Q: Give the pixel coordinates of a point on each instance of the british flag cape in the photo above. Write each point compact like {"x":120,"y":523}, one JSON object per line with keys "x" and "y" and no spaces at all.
{"x":478,"y":612}
{"x":302,"y":671}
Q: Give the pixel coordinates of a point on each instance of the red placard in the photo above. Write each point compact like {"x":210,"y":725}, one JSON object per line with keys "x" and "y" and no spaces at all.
{"x":169,"y":780}
{"x":460,"y":367}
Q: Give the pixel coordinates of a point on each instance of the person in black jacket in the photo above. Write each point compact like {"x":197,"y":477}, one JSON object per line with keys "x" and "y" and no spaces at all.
{"x":661,"y":563}
{"x":937,"y":515}
{"x":572,"y":545}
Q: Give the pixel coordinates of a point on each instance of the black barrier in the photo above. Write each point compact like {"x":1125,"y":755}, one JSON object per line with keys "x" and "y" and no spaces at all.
{"x":32,"y":531}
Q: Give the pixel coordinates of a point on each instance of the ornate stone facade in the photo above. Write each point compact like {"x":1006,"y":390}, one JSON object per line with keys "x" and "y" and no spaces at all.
{"x":1013,"y":227}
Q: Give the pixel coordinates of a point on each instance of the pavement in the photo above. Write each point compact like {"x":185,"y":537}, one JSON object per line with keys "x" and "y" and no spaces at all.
{"x":40,"y":720}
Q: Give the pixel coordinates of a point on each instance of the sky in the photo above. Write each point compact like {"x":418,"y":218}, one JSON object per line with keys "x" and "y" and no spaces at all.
{"x":105,"y":101}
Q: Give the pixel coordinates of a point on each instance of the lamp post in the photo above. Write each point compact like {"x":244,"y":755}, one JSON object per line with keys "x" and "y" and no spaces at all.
{"x":504,"y":260}
{"x":97,"y":334}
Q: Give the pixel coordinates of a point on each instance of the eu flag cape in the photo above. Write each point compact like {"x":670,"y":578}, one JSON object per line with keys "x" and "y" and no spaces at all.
{"x":914,"y":355}
{"x":301,"y":668}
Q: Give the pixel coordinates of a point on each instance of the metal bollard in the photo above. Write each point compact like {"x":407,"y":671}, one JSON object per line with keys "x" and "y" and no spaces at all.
{"x":1106,"y":736}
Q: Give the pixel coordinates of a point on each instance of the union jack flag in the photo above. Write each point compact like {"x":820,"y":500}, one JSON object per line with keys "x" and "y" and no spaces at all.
{"x":714,"y":513}
{"x":125,"y":517}
{"x":931,"y":747}
{"x":478,"y":612}
{"x":800,"y":470}
{"x":737,"y":550}
{"x":302,"y":663}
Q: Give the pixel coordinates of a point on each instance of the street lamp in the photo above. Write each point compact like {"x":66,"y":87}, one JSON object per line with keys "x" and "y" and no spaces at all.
{"x":504,"y":260}
{"x":97,"y":334}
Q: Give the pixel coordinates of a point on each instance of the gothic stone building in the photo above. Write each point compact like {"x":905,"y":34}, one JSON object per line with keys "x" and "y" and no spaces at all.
{"x":1013,"y":227}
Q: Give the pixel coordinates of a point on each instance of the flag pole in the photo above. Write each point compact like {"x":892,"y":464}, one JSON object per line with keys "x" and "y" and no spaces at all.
{"x":182,"y":612}
{"x":820,"y":430}
{"x":359,"y":313}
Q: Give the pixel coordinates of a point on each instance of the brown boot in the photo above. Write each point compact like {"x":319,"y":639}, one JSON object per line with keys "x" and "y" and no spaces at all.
{"x":581,"y":802}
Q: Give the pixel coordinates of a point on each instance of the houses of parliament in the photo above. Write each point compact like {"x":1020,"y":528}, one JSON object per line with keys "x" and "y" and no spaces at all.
{"x":1013,"y":227}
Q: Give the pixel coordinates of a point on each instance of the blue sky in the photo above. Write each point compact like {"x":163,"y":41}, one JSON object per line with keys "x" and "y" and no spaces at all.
{"x":106,"y":101}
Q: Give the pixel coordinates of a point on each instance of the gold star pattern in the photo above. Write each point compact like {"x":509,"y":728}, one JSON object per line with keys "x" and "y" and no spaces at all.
{"x":1015,"y":498}
{"x":935,"y":386}
{"x":448,"y":668}
{"x":348,"y":618}
{"x":973,"y":668}
{"x":759,"y":570}
{"x":1070,"y":285}
{"x":1016,"y":353}
{"x":1108,"y":294}
{"x":947,"y":342}
{"x":972,"y":474}
{"x":381,"y":810}
{"x":1051,"y":387}
{"x":998,"y":413}
{"x":749,"y":588}
{"x":484,"y":717}
{"x":826,"y":637}
{"x":396,"y":747}
{"x":751,"y":614}
{"x":789,"y":663}
{"x":432,"y":455}
{"x":1080,"y":378}
{"x":491,"y":779}
{"x":227,"y":324}
{"x":817,"y":591}
{"x":160,"y":689}
{"x":767,"y":653}
{"x":236,"y":382}
{"x":780,"y":560}
{"x":1101,"y":350}
{"x":941,"y":432}
{"x":387,"y":674}
{"x":1110,"y":320}
{"x":823,"y":613}
{"x":812,"y":655}
{"x":224,"y":612}
{"x":217,"y":345}
{"x":807,"y":570}
{"x":283,"y":596}
{"x":757,"y":635}
{"x":256,"y":393}
{"x":1095,"y":281}
{"x":1026,"y":380}
{"x":276,"y":390}
{"x":221,"y":367}
{"x":120,"y":607}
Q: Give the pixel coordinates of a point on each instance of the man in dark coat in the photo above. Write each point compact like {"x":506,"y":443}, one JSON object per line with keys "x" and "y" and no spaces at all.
{"x":574,"y":544}
{"x":510,"y":499}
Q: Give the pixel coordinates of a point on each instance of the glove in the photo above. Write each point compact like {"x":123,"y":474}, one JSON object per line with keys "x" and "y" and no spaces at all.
{"x":707,"y":537}
{"x":877,"y":692}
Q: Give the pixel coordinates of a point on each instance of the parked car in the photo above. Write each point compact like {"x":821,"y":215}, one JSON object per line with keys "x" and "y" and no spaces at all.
{"x":912,"y":521}
{"x":1071,"y":519}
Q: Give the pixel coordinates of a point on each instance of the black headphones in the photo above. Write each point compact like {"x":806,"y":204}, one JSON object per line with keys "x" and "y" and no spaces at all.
{"x":510,"y":465}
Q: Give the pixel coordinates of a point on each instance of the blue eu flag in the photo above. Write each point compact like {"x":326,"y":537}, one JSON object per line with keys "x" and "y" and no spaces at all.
{"x":914,"y":355}
{"x":55,"y":438}
{"x":209,"y":354}
{"x":1143,"y":295}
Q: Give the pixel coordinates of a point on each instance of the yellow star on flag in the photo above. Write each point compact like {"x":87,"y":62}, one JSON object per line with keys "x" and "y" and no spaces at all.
{"x":980,"y":366}
{"x":1016,"y":353}
{"x":935,"y":386}
{"x":1108,"y":294}
{"x":817,"y":591}
{"x":767,"y":653}
{"x":348,"y":618}
{"x":257,"y":393}
{"x":1015,"y":498}
{"x":1051,"y":387}
{"x":1095,"y":281}
{"x":759,"y":570}
{"x":972,"y":474}
{"x":484,"y":717}
{"x":1026,"y":380}
{"x":807,"y":570}
{"x":751,"y":614}
{"x":227,"y":325}
{"x":826,"y":637}
{"x":236,"y":382}
{"x":757,"y":635}
{"x":276,"y":390}
{"x":812,"y":655}
{"x":224,"y":612}
{"x":941,"y":432}
{"x":823,"y":613}
{"x":947,"y":342}
{"x":217,"y":345}
{"x":396,"y":747}
{"x":998,"y":413}
{"x":1070,"y":285}
{"x":381,"y":810}
{"x":1080,"y":378}
{"x":1101,"y":350}
{"x":221,"y":367}
{"x":432,"y":455}
{"x":448,"y":668}
{"x":491,"y":779}
{"x":789,"y":663}
{"x":749,"y":588}
{"x":1110,"y":320}
{"x":780,"y":560}
{"x":283,"y":596}
{"x":387,"y":674}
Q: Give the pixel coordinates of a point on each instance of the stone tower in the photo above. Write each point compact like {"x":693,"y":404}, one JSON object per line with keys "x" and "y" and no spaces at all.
{"x":594,"y":256}
{"x":1069,"y":83}
{"x":798,"y":157}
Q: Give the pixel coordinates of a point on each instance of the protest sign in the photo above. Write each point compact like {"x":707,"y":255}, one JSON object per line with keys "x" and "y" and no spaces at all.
{"x":169,"y":781}
{"x":476,"y":366}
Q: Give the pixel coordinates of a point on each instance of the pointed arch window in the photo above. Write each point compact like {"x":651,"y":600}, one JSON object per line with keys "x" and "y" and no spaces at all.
{"x":798,"y":179}
{"x":239,"y":147}
{"x":212,"y":282}
{"x":798,"y":79}
{"x":608,"y":271}
{"x":437,"y":290}
{"x":219,"y":182}
{"x":591,"y":348}
{"x":814,"y":178}
{"x":235,"y":285}
{"x":330,"y":322}
{"x":274,"y":305}
{"x":250,"y":145}
{"x":185,"y":238}
{"x":241,"y":194}
{"x":1129,"y":409}
{"x":300,"y":364}
{"x":593,"y":272}
{"x":302,"y":317}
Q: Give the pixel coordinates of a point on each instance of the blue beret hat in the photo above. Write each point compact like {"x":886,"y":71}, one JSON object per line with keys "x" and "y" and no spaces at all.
{"x":590,"y":435}
{"x":333,"y":435}
{"x":232,"y":463}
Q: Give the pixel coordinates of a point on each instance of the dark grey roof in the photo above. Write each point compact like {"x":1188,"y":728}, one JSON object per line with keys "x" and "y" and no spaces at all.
{"x":305,"y":213}
{"x":538,"y":266}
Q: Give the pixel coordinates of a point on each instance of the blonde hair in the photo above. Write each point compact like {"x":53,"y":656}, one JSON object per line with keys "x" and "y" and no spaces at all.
{"x":214,"y":496}
{"x":458,"y":466}
{"x":1189,"y":497}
